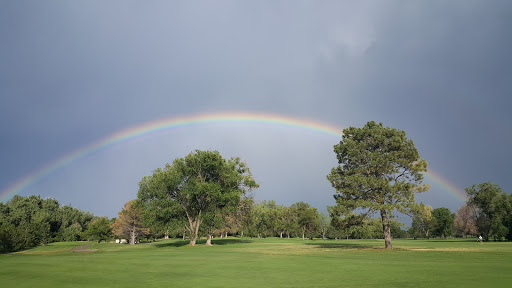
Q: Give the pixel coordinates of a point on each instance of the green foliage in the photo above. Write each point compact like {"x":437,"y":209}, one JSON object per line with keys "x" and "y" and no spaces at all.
{"x":379,"y":171}
{"x":422,"y":221}
{"x":307,"y":218}
{"x":442,"y":222}
{"x":493,"y":210}
{"x":99,"y":230}
{"x":197,"y":186}
{"x":129,"y":223}
{"x":29,"y":221}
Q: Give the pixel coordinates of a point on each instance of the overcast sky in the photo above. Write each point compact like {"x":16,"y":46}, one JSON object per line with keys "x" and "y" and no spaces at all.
{"x":75,"y":72}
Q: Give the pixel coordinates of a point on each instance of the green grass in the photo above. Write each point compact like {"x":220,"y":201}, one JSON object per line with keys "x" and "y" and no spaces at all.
{"x":262,"y":263}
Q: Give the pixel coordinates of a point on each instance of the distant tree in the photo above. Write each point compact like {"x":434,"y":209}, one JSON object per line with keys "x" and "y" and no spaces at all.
{"x":29,"y":221}
{"x":99,"y":230}
{"x":443,"y":222}
{"x":290,"y":219}
{"x":422,"y":221}
{"x":323,"y":224}
{"x":492,"y":209}
{"x":129,"y":223}
{"x":307,"y":218}
{"x":261,"y":222}
{"x":72,"y":233}
{"x":465,"y":221}
{"x":379,"y":170}
{"x":72,"y":223}
{"x":242,"y":216}
{"x":199,"y":184}
{"x":342,"y":221}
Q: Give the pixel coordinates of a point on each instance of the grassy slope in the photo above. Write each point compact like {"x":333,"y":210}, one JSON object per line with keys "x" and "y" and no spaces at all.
{"x":263,"y":263}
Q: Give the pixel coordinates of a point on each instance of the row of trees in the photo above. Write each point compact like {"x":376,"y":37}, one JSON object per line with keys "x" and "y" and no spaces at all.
{"x":486,"y":213}
{"x":29,"y":221}
{"x":379,"y":173}
{"x":250,"y":219}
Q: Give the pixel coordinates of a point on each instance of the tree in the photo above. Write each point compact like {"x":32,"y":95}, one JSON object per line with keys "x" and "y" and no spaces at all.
{"x":307,"y":217}
{"x":240,"y":219}
{"x":129,"y":223}
{"x":197,"y":185}
{"x":261,"y":222}
{"x":465,"y":221}
{"x":323,"y":224}
{"x":290,"y":220}
{"x":422,"y":221}
{"x":379,"y":171}
{"x":443,"y":222}
{"x":99,"y":230}
{"x":492,"y":209}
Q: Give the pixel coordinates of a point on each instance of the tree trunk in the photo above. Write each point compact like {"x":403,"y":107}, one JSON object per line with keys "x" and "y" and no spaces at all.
{"x":242,"y":235}
{"x":226,"y":234}
{"x":166,"y":234}
{"x":386,"y":227}
{"x":132,"y":236}
{"x":281,"y":235}
{"x":194,"y":228}
{"x":209,"y":240}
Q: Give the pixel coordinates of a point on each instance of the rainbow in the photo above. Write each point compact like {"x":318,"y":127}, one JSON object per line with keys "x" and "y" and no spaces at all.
{"x":456,"y":192}
{"x":190,"y":120}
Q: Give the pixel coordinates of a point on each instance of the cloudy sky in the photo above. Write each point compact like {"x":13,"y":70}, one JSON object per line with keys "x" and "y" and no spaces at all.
{"x":73,"y":73}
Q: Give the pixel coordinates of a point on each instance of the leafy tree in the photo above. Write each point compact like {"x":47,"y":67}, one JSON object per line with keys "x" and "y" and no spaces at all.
{"x":465,"y":221}
{"x":129,"y":223}
{"x":379,"y":171}
{"x":72,"y":233}
{"x":323,"y":224}
{"x":99,"y":230}
{"x":72,"y":223}
{"x":239,"y":220}
{"x":29,"y":221}
{"x":342,"y":219}
{"x":492,"y":209}
{"x":307,"y":217}
{"x":422,"y":221}
{"x":261,"y":222}
{"x":197,"y":185}
{"x":290,"y":221}
{"x":443,"y":222}
{"x":162,"y":214}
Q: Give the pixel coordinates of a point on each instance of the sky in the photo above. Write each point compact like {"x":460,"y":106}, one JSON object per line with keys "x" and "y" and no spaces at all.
{"x":74,"y":73}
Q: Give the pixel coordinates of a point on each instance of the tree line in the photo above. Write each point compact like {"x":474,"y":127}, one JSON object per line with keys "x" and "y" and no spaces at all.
{"x":486,"y":213}
{"x":29,"y":221}
{"x":204,"y":195}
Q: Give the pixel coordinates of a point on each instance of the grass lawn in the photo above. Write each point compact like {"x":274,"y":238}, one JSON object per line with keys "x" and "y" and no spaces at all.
{"x":262,"y":263}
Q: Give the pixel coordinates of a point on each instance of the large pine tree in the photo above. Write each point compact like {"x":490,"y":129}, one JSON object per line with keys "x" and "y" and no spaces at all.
{"x":379,"y":171}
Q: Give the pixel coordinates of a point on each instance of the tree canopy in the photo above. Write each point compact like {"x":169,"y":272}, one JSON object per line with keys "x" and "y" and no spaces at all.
{"x":129,"y":223}
{"x":379,"y":171}
{"x":493,"y":210}
{"x":197,"y":186}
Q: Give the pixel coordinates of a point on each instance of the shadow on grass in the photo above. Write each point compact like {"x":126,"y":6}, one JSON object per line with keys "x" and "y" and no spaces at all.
{"x":229,"y":241}
{"x":341,"y":245}
{"x":180,"y":243}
